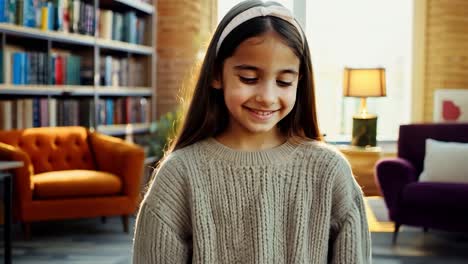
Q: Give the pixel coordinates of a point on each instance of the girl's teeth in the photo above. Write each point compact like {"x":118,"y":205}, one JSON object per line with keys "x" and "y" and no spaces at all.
{"x":262,"y":113}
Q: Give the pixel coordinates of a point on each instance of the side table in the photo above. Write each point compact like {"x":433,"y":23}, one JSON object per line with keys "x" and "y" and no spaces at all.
{"x":7,"y":179}
{"x":362,"y":161}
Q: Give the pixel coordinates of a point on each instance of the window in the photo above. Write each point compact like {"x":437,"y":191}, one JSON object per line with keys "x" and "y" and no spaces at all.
{"x":362,"y":33}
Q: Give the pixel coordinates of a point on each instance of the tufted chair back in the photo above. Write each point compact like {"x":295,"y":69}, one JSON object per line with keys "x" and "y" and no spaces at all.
{"x":53,"y":148}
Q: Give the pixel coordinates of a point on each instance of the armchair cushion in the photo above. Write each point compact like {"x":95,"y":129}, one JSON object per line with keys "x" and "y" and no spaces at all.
{"x":75,"y":183}
{"x":445,"y":162}
{"x":434,"y":196}
{"x":392,"y":175}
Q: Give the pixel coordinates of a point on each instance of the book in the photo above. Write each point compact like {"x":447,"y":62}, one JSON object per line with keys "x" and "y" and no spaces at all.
{"x":117,"y":24}
{"x":3,"y":11}
{"x":59,"y":70}
{"x":52,"y":112}
{"x":8,"y":62}
{"x":51,"y":13}
{"x":12,"y":6}
{"x":6,"y":110}
{"x":19,"y":61}
{"x":36,"y":112}
{"x":105,"y":24}
{"x":75,"y":15}
{"x":43,"y":112}
{"x":109,"y":112}
{"x":29,"y":13}
{"x":2,"y":80}
{"x":44,"y":17}
{"x":28,"y":113}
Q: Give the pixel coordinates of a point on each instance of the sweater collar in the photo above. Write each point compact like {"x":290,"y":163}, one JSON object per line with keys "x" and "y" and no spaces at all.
{"x":278,"y":154}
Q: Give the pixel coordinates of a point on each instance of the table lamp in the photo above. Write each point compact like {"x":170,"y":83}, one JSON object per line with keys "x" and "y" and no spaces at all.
{"x":363,"y":83}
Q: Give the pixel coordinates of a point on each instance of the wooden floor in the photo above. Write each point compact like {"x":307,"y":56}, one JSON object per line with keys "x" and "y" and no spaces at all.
{"x":91,"y":242}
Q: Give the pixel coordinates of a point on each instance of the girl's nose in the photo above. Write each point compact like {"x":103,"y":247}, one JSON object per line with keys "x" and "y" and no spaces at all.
{"x":266,"y":93}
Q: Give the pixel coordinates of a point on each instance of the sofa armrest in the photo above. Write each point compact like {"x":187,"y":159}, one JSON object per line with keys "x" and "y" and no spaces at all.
{"x":22,"y":179}
{"x":392,"y":174}
{"x":121,"y":158}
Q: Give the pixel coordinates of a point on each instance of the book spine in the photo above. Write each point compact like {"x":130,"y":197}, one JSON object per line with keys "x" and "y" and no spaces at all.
{"x":7,"y":109}
{"x":28,"y":111}
{"x":18,"y":68}
{"x":59,"y":67}
{"x":19,"y":108}
{"x":12,"y":6}
{"x":29,"y":13}
{"x":2,"y":67}
{"x":52,"y":112}
{"x":3,"y":11}
{"x":51,"y":16}
{"x":109,"y":112}
{"x":44,"y":18}
{"x":44,"y":112}
{"x":36,"y":112}
{"x":75,"y":15}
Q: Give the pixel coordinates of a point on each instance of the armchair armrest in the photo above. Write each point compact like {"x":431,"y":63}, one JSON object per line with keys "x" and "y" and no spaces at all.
{"x":22,"y":179}
{"x":121,"y":158}
{"x":392,"y":174}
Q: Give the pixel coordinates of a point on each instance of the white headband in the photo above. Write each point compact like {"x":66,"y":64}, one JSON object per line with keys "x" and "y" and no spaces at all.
{"x":259,"y":11}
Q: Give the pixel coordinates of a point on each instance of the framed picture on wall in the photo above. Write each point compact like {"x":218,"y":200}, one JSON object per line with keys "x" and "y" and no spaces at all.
{"x":451,"y":105}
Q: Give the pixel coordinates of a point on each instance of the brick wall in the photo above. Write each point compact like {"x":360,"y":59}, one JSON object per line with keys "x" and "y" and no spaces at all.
{"x":183,"y":28}
{"x":446,"y":49}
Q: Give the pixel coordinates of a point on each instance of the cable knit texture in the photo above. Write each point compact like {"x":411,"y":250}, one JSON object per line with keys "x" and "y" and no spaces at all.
{"x":295,"y":203}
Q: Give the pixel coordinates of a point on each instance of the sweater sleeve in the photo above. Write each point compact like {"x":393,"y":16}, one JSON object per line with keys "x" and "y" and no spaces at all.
{"x":163,"y":227}
{"x":350,"y":240}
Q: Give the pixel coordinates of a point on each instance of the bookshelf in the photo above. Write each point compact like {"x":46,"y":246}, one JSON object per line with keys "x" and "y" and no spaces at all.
{"x":78,"y":62}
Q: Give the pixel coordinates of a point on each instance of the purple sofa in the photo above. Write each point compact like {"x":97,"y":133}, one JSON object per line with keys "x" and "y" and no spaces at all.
{"x":426,"y":204}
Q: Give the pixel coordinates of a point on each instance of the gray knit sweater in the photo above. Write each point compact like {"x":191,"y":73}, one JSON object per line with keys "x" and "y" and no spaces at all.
{"x":295,"y":203}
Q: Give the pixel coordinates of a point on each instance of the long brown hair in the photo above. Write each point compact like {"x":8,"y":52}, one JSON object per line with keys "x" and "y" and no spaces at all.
{"x":207,"y":115}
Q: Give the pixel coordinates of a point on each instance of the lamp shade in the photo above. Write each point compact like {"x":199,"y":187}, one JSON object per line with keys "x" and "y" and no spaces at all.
{"x":369,"y":82}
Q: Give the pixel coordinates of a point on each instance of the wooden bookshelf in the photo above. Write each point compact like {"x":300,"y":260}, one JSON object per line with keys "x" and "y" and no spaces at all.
{"x":123,"y":46}
{"x":141,"y":6}
{"x":21,"y":31}
{"x":90,"y":48}
{"x":56,"y":90}
{"x":124,"y":129}
{"x":119,"y":91}
{"x":50,"y":90}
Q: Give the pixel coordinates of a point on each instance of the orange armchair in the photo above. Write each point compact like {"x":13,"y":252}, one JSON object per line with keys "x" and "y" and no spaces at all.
{"x":70,"y":172}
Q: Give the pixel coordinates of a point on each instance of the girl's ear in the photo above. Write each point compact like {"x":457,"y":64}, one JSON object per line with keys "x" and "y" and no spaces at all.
{"x":216,"y":84}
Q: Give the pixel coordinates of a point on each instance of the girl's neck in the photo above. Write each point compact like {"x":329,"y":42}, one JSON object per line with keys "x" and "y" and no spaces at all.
{"x":251,"y":141}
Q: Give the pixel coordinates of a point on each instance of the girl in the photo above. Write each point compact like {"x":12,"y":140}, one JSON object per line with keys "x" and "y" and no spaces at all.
{"x":248,"y":179}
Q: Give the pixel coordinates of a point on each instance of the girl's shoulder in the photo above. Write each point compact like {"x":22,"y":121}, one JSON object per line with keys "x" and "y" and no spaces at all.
{"x":183,"y":155}
{"x":316,"y":147}
{"x":323,"y":152}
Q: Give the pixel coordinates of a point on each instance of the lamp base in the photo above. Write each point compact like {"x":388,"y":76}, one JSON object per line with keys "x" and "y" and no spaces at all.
{"x":364,"y":131}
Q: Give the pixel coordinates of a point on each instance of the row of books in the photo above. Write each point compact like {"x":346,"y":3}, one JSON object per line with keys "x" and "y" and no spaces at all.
{"x":126,"y":110}
{"x":74,"y":16}
{"x":125,"y":27}
{"x":41,"y":112}
{"x":123,"y":72}
{"x":21,"y":67}
{"x":62,"y":15}
{"x":33,"y":68}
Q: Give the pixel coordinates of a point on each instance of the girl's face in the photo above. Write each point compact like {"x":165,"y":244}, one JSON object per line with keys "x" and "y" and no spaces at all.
{"x":260,"y":84}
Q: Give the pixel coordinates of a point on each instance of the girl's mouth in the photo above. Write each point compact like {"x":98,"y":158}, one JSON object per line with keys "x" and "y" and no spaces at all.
{"x":261,"y":114}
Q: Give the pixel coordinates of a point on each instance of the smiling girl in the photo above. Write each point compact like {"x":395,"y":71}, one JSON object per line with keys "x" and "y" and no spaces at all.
{"x":247,"y":179}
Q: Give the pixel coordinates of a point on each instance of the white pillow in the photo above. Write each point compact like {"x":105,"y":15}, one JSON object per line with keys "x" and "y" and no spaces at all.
{"x":445,"y":162}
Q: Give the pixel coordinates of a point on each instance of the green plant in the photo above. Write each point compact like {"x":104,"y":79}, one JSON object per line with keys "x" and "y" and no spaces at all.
{"x":160,"y":133}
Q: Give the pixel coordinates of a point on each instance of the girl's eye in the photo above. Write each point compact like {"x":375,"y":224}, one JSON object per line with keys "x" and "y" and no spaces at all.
{"x":248,"y":80}
{"x":283,"y":83}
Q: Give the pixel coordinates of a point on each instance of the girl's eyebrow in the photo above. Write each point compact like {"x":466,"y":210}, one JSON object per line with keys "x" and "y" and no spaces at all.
{"x":253,"y":68}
